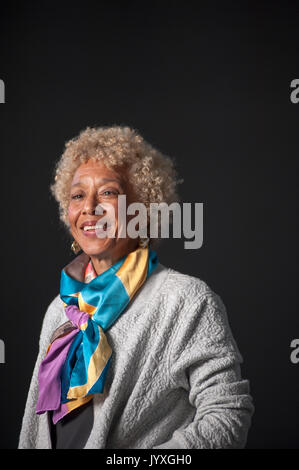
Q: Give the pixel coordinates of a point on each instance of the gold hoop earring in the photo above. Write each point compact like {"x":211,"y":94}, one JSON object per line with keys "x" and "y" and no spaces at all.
{"x":75,"y":247}
{"x":143,"y":242}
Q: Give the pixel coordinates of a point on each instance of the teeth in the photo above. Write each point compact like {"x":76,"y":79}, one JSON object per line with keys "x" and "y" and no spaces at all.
{"x":93,"y":227}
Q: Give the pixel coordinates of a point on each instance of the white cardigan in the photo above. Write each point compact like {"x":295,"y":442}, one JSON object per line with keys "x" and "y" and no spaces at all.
{"x":174,"y":380}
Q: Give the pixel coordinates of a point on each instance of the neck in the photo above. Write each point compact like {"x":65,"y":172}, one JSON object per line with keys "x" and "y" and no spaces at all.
{"x":101,"y":262}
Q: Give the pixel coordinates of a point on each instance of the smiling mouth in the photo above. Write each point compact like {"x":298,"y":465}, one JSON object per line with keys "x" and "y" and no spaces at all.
{"x":93,"y":228}
{"x":99,"y":230}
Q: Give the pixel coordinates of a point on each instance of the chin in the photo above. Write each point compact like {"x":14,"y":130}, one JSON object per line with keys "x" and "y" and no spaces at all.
{"x":97,"y":249}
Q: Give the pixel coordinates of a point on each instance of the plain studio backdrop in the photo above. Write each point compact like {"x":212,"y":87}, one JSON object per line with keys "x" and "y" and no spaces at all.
{"x":209,"y":86}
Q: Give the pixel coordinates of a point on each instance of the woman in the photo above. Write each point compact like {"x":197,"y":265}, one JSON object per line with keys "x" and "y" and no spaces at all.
{"x":132,"y":354}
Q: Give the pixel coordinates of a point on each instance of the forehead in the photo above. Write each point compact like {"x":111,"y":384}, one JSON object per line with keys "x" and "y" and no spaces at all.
{"x":94,"y":170}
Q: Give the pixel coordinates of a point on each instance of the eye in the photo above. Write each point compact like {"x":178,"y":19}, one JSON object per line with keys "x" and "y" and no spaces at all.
{"x":76,"y":196}
{"x":108,"y":192}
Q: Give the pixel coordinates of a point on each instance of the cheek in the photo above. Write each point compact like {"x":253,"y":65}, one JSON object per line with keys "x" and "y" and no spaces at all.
{"x":72,"y":214}
{"x":110,"y":211}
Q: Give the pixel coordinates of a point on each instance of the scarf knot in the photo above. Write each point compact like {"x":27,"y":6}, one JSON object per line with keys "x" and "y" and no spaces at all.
{"x":79,"y":319}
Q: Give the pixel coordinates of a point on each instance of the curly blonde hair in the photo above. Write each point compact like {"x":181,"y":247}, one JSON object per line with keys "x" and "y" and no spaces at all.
{"x":152,"y":175}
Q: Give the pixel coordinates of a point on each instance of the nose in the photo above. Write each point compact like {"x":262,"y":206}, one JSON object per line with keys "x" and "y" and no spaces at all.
{"x":87,"y":210}
{"x":90,"y":205}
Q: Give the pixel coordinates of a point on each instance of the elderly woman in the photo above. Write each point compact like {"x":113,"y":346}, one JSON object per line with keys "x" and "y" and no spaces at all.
{"x":132,"y":354}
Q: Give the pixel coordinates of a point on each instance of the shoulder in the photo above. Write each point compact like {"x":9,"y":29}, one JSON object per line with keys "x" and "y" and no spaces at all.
{"x":173,"y":295}
{"x":194,"y":303}
{"x":182,"y":281}
{"x":54,"y":310}
{"x":187,"y":288}
{"x":200,"y":313}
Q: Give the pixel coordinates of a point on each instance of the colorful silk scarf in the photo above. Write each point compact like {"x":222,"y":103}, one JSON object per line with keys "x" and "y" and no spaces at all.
{"x":78,"y":357}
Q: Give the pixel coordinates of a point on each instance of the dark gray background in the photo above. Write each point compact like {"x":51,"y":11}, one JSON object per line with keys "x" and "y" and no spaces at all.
{"x":208,"y":85}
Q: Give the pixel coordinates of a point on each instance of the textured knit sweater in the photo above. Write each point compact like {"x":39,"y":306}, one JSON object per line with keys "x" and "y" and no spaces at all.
{"x":174,"y":380}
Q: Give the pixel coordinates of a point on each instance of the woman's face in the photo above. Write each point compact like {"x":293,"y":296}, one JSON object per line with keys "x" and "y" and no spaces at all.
{"x":95,"y":184}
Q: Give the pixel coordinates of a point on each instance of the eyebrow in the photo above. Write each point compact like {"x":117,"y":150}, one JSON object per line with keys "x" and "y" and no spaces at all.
{"x":101,"y":180}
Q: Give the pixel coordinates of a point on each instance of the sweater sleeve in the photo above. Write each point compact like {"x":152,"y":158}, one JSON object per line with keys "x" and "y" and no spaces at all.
{"x":204,"y":360}
{"x":30,"y":422}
